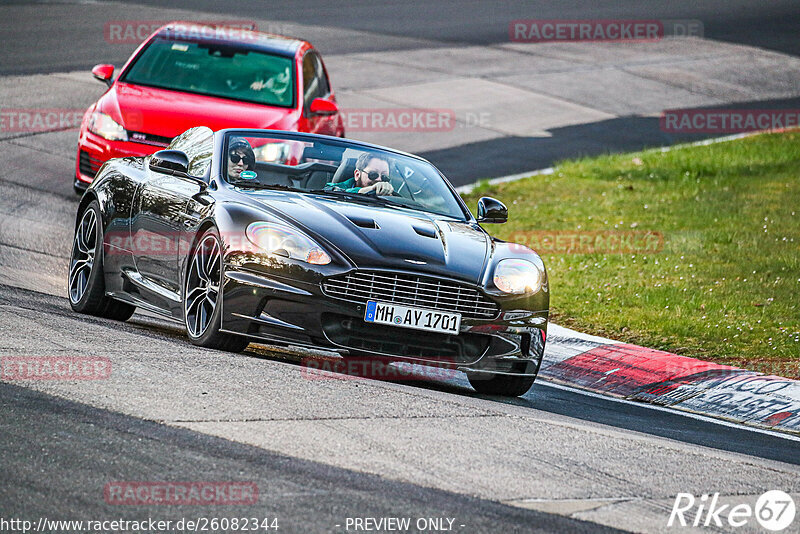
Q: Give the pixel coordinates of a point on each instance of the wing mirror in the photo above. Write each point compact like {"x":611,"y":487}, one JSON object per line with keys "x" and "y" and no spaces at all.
{"x":170,"y":162}
{"x":491,"y":210}
{"x":323,"y":106}
{"x":176,"y":163}
{"x":104,"y":73}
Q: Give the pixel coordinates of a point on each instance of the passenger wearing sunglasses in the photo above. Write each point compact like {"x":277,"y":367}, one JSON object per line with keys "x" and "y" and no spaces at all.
{"x":371,"y":174}
{"x":240,"y":158}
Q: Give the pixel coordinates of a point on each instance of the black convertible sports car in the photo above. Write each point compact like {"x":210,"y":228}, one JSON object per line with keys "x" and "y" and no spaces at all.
{"x":290,"y":238}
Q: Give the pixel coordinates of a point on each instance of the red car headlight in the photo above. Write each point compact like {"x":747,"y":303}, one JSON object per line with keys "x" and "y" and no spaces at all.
{"x":106,"y":127}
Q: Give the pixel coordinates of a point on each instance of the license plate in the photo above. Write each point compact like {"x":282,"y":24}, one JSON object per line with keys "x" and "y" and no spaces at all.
{"x":411,"y":317}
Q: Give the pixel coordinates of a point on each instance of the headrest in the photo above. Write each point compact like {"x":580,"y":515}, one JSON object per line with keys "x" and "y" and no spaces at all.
{"x":345,"y":171}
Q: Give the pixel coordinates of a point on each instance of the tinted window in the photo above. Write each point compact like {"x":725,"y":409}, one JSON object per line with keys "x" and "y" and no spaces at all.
{"x":215,"y":70}
{"x":315,"y":82}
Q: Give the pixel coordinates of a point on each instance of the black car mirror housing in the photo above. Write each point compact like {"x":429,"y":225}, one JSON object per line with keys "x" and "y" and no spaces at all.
{"x":175,"y":163}
{"x":491,"y":210}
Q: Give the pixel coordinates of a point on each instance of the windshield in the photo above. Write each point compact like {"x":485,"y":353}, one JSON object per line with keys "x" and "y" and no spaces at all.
{"x":216,"y":70}
{"x":338,"y":169}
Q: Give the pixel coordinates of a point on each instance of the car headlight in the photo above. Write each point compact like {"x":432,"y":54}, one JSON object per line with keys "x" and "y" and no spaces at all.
{"x":106,"y":127}
{"x":518,"y":276}
{"x":285,"y":241}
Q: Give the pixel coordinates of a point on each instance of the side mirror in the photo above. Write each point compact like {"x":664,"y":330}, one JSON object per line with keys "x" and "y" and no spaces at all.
{"x":322,"y":106}
{"x":491,"y":210}
{"x":104,"y":73}
{"x":170,"y":162}
{"x":176,"y":163}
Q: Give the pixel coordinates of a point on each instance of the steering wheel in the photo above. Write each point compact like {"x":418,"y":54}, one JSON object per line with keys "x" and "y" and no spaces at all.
{"x":375,"y":194}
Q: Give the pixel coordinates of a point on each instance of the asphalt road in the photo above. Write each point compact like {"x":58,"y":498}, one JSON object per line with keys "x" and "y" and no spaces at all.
{"x":80,"y":449}
{"x":541,"y":104}
{"x":37,"y":31}
{"x":321,"y":451}
{"x":331,"y":449}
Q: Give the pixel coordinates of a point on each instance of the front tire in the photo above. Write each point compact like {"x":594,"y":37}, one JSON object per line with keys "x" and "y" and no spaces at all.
{"x":86,"y":282}
{"x":202,"y":293}
{"x":505,"y":385}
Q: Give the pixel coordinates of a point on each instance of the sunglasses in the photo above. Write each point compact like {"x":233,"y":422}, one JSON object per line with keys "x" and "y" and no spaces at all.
{"x":236,"y":158}
{"x":374,"y":175}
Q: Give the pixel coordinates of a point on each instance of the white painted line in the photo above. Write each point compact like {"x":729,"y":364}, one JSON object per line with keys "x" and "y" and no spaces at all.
{"x":465,"y":189}
{"x":674,"y":411}
{"x":557,"y":331}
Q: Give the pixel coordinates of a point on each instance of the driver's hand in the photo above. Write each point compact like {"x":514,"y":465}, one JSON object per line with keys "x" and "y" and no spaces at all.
{"x":383,"y":188}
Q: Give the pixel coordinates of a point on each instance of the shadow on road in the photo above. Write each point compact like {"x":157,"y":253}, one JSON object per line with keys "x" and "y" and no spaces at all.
{"x":466,"y":164}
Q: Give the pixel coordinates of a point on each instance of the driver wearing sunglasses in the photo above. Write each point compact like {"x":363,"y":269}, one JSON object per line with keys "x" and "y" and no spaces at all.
{"x":371,"y":174}
{"x":240,"y":158}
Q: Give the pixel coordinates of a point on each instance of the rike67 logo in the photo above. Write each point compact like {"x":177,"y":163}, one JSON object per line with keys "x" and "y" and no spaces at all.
{"x":773,"y":511}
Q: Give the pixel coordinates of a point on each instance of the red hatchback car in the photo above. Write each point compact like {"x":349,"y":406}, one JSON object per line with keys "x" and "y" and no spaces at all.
{"x":187,"y":75}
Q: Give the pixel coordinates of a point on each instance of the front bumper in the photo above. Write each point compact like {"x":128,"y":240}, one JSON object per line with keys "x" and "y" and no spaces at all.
{"x":94,"y":150}
{"x":278,"y":310}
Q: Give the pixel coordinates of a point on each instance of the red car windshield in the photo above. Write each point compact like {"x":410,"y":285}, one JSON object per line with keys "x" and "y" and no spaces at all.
{"x":215,"y":70}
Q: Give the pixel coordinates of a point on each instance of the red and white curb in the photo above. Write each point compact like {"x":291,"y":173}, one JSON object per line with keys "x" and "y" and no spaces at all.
{"x":637,"y":373}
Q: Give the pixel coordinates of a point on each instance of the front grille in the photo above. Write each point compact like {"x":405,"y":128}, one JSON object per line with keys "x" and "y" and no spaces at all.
{"x":370,"y":338}
{"x":88,"y":165}
{"x":149,"y":139}
{"x":411,"y":290}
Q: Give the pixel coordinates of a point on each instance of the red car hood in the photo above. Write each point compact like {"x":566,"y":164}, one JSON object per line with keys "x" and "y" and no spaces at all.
{"x":170,"y":113}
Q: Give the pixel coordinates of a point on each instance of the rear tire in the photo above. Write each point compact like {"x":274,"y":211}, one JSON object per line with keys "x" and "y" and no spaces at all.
{"x":86,"y":282}
{"x":202,"y":291}
{"x":505,"y":385}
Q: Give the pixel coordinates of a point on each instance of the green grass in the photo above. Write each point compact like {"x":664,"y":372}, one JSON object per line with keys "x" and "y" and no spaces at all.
{"x":726,"y":285}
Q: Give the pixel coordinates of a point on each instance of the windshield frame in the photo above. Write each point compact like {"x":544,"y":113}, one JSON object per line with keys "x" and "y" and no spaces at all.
{"x":466,"y":214}
{"x":123,"y":76}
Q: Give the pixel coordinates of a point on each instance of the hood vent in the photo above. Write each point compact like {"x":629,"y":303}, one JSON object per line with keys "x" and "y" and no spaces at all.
{"x":425,"y":231}
{"x":363,"y":222}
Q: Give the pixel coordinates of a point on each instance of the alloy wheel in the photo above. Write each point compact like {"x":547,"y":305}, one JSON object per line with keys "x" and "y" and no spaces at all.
{"x":202,"y":286}
{"x":84,"y":249}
